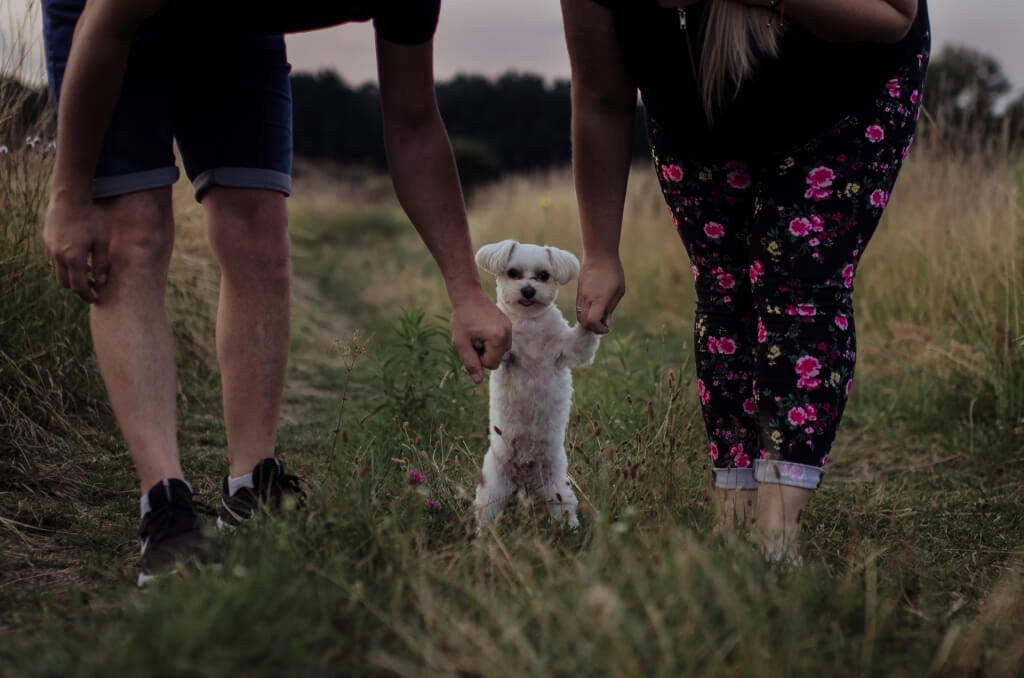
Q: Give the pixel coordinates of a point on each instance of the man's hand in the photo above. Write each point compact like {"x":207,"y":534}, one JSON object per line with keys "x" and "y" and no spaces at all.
{"x":76,"y":241}
{"x":481,"y":333}
{"x":602,"y":284}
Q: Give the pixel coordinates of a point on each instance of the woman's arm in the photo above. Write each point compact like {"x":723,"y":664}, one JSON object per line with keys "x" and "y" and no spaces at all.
{"x":851,"y":20}
{"x":603,"y":110}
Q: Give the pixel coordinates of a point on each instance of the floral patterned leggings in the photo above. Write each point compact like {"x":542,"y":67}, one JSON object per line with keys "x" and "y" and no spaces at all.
{"x":773,"y":244}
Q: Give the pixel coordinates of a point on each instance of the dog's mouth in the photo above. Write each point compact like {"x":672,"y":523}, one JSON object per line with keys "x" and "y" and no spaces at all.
{"x":526,"y":302}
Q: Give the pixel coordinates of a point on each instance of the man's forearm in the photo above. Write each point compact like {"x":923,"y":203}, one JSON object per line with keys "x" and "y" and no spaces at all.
{"x":92,"y":82}
{"x":426,"y":180}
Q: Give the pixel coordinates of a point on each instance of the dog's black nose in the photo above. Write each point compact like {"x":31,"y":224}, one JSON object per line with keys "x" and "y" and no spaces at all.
{"x":528,"y":292}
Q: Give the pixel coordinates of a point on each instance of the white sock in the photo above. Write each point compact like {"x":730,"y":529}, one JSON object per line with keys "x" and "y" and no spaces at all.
{"x":144,"y":506}
{"x":235,"y":484}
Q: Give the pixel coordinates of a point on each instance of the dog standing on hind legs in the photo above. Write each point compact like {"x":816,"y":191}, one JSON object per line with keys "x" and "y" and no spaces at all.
{"x":531,"y":392}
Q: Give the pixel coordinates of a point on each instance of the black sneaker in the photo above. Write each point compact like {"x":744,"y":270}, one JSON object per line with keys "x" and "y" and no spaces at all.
{"x":171,"y":534}
{"x":273,"y":488}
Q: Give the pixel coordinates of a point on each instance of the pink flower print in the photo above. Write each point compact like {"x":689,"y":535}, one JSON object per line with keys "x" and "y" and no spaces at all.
{"x":742,"y":460}
{"x":797,"y":416}
{"x":874,"y":133}
{"x":735,"y":449}
{"x":894,"y":88}
{"x":794,"y":471}
{"x":714,"y":230}
{"x":726,"y":281}
{"x":817,"y":223}
{"x":824,"y":461}
{"x":806,"y":310}
{"x":820,"y":177}
{"x":762,"y":333}
{"x":748,"y":406}
{"x":811,"y":412}
{"x":915,"y":97}
{"x":675,"y":221}
{"x":808,"y":384}
{"x":696,"y":273}
{"x":813,"y":242}
{"x":800,"y":227}
{"x":702,"y":390}
{"x":433,"y":505}
{"x":879,"y":198}
{"x":756,"y":270}
{"x":808,"y":366}
{"x":848,"y":276}
{"x":842,"y":323}
{"x":849,"y":385}
{"x":672,"y":172}
{"x":817,"y":194}
{"x":726,"y":346}
{"x":738,"y":179}
{"x":416,"y":477}
{"x":714,"y":452}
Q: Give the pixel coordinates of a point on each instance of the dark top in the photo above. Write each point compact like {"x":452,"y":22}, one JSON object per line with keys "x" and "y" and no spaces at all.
{"x":810,"y":86}
{"x":406,"y":22}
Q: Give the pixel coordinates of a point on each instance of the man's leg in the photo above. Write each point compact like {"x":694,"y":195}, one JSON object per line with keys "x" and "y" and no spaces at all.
{"x":132,"y":335}
{"x":248,"y":231}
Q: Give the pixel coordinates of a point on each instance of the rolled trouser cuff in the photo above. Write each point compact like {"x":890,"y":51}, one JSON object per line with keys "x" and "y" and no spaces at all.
{"x":242,"y":177}
{"x":122,"y":184}
{"x":734,"y":478}
{"x":787,"y":473}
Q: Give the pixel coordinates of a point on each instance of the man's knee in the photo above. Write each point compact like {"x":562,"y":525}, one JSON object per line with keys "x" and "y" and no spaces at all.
{"x":248,"y":229}
{"x":141,"y":229}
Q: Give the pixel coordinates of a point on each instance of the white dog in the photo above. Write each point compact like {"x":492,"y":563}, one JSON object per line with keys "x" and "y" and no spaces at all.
{"x":531,"y":391}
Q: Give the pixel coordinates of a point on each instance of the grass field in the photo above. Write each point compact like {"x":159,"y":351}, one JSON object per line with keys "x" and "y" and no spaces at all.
{"x":913,"y":547}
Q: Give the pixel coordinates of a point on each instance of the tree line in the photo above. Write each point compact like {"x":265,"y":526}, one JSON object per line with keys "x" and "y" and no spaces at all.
{"x":519,"y":122}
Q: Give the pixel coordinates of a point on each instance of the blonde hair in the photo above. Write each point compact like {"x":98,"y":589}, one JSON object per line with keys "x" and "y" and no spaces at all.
{"x":735,"y":37}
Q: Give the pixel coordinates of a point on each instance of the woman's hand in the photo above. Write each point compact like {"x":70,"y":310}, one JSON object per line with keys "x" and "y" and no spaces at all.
{"x":602,"y":284}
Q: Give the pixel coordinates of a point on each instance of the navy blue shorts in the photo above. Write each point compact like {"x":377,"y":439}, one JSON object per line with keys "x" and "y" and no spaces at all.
{"x":225,"y":99}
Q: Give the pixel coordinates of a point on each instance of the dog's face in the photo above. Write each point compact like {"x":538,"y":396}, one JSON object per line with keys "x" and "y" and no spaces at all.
{"x":528,"y":275}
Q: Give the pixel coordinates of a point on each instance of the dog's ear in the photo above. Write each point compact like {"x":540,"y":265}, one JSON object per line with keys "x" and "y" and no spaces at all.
{"x":564,"y":264}
{"x":494,"y":258}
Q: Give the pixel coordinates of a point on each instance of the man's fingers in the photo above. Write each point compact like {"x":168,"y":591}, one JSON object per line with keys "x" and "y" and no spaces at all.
{"x":79,"y":281}
{"x":61,"y":273}
{"x":492,"y":355}
{"x":470,"y":360}
{"x":596,"y":317}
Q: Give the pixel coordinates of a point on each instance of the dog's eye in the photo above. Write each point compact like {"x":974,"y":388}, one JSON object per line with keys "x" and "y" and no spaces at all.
{"x":543,"y":276}
{"x":515,"y":273}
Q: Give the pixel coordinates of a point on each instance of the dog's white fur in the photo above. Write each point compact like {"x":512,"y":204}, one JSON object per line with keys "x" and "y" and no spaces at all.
{"x":531,"y":392}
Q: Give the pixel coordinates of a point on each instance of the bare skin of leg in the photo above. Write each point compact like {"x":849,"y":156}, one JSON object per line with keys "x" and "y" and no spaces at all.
{"x":132,"y":335}
{"x":248,"y":231}
{"x":777,"y":517}
{"x":734,"y":510}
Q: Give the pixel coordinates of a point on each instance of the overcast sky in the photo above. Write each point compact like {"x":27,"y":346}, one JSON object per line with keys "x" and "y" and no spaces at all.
{"x":492,"y":36}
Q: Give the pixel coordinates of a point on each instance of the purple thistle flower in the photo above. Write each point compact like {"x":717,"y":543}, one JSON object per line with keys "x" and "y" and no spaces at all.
{"x":416,"y":477}
{"x":433,"y":505}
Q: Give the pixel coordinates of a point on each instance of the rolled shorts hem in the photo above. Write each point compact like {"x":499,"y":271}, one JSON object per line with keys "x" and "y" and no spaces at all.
{"x":122,"y":184}
{"x":242,"y":177}
{"x":788,"y":473}
{"x":734,"y":478}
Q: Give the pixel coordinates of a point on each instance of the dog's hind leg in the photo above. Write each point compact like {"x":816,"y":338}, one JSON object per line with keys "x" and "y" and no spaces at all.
{"x":492,"y":491}
{"x":561,"y":500}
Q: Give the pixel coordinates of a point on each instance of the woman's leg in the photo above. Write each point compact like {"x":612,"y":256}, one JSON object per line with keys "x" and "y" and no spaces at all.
{"x":817,"y":208}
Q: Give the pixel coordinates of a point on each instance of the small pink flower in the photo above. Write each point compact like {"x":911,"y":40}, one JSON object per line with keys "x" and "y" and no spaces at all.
{"x":762,"y":333}
{"x":808,"y":366}
{"x":817,"y":194}
{"x":806,"y":310}
{"x":696,"y":273}
{"x":672,"y":172}
{"x":714,"y":230}
{"x":748,"y":406}
{"x":849,"y":385}
{"x":738,"y":179}
{"x":416,"y":477}
{"x":756,"y":270}
{"x":879,"y":198}
{"x":714,"y":452}
{"x":797,"y":416}
{"x":433,"y":505}
{"x":735,"y":449}
{"x":915,"y":97}
{"x":808,"y":384}
{"x":742,"y":460}
{"x":702,"y":390}
{"x":817,"y":223}
{"x":726,"y":281}
{"x":800,"y":226}
{"x":820,"y":177}
{"x":874,"y":133}
{"x":813,"y":242}
{"x":842,"y":323}
{"x":726,"y":346}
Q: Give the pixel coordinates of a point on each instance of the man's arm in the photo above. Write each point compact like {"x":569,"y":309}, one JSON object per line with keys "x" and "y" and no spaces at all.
{"x":427,"y":183}
{"x":603,"y":110}
{"x":73,"y":233}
